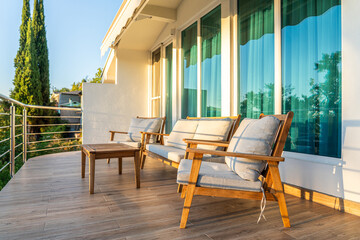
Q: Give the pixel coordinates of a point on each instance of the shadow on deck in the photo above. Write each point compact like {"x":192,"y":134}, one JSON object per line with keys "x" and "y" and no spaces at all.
{"x":47,"y":199}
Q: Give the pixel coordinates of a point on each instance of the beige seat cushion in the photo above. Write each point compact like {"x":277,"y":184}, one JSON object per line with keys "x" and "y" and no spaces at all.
{"x":213,"y":130}
{"x":172,"y":153}
{"x":182,"y":129}
{"x":138,"y":125}
{"x":216,"y":175}
{"x":131,"y":144}
{"x":254,"y":136}
{"x":176,"y":154}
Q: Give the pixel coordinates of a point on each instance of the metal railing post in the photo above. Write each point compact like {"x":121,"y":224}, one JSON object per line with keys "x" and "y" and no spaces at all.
{"x":12,"y":140}
{"x":24,"y":135}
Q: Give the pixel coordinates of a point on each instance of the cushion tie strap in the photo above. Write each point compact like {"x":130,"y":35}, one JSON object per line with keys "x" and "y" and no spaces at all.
{"x":262,"y":206}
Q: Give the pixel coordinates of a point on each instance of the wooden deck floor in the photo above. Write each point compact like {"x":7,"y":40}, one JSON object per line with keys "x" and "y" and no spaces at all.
{"x":47,"y":199}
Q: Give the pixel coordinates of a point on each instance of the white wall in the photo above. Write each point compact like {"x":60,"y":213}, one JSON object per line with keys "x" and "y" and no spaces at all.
{"x":337,"y":177}
{"x":111,"y":106}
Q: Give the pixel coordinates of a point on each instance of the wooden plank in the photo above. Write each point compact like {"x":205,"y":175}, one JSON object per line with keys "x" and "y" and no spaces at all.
{"x":48,"y":200}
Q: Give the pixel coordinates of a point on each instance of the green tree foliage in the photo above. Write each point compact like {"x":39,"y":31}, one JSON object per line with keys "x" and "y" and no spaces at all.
{"x":97,"y":79}
{"x":20,"y":59}
{"x":38,"y":24}
{"x":98,"y":76}
{"x":28,"y":88}
{"x":64,"y":89}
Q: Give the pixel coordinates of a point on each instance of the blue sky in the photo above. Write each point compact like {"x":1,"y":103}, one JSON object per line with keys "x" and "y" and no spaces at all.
{"x":75,"y":29}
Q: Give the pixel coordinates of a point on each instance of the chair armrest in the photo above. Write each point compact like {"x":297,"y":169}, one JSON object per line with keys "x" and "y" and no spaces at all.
{"x":112,"y":134}
{"x":118,"y":132}
{"x":145,"y":138}
{"x":232,"y":154}
{"x":206,"y":142}
{"x":157,"y":134}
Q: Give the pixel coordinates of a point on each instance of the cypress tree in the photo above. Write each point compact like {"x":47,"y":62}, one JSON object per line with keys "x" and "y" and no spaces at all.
{"x":29,"y":90}
{"x":38,"y":24}
{"x":20,"y":58}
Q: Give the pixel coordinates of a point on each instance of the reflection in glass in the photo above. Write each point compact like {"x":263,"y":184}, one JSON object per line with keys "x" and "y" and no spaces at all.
{"x":256,"y":57}
{"x":311,"y":74}
{"x":168,"y":87}
{"x":189,"y":72}
{"x":211,"y":64}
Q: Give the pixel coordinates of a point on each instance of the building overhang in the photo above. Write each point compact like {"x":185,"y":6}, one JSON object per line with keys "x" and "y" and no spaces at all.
{"x":138,"y":23}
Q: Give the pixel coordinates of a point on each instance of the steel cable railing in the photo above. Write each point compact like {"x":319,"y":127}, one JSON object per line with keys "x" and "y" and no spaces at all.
{"x":34,"y":130}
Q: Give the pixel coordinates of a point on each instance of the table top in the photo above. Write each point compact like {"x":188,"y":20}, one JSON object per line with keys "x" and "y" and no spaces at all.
{"x":108,"y":148}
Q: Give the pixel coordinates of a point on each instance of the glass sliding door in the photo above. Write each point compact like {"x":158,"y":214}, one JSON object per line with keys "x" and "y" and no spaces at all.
{"x":211,"y":63}
{"x":168,"y":87}
{"x":311,"y":75}
{"x":156,"y":87}
{"x":256,"y":57}
{"x":189,"y":72}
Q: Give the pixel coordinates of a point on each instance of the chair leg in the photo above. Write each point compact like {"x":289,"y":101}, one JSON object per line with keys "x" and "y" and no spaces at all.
{"x":283,"y":209}
{"x":108,"y":160}
{"x":180,"y":187}
{"x":190,"y":189}
{"x":183,"y":192}
{"x":277,"y":185}
{"x":120,"y":165}
{"x":143,"y":157}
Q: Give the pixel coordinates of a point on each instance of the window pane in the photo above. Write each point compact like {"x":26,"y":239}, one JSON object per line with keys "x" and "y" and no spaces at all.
{"x":311,"y":74}
{"x":168,"y":88}
{"x":211,"y":64}
{"x":155,"y":106}
{"x":256,"y":57}
{"x":189,"y":72}
{"x":156,"y":73}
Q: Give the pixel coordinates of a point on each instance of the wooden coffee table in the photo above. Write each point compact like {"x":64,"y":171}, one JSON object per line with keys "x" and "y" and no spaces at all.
{"x":109,"y":150}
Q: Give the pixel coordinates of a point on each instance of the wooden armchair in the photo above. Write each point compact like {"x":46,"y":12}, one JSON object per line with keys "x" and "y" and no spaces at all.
{"x":269,"y":183}
{"x":162,"y":127}
{"x":148,"y":153}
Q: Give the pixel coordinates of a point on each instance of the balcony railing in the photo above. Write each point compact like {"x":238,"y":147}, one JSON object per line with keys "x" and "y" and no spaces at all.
{"x":29,"y":130}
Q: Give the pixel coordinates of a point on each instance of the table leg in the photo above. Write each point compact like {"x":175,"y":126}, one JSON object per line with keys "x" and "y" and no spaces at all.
{"x":83,"y":164}
{"x":91,"y":173}
{"x":120,"y":165}
{"x":137,"y":168}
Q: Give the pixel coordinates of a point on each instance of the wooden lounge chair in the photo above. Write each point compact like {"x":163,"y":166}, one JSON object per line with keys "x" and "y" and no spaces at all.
{"x":221,"y":181}
{"x":136,"y":141}
{"x":171,"y":152}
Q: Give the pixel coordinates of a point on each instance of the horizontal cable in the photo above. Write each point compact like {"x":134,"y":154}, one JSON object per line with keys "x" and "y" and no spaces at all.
{"x":57,"y":124}
{"x":7,"y":139}
{"x":18,"y":145}
{"x":18,"y":115}
{"x":4,"y":153}
{"x":54,"y":116}
{"x":54,"y":139}
{"x":18,"y":135}
{"x":4,"y":166}
{"x":6,"y":114}
{"x":53,"y":132}
{"x":19,"y":125}
{"x":18,"y":155}
{"x":45,"y":149}
{"x":4,"y":127}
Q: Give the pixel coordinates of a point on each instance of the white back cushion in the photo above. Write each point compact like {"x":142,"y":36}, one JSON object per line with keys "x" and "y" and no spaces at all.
{"x":138,"y":125}
{"x":213,"y":130}
{"x":182,"y":129}
{"x":254,"y":136}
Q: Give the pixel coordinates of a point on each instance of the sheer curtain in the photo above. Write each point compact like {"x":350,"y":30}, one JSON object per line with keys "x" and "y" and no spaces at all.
{"x":256,"y":57}
{"x":189,"y":73}
{"x":311,"y":74}
{"x":211,"y":64}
